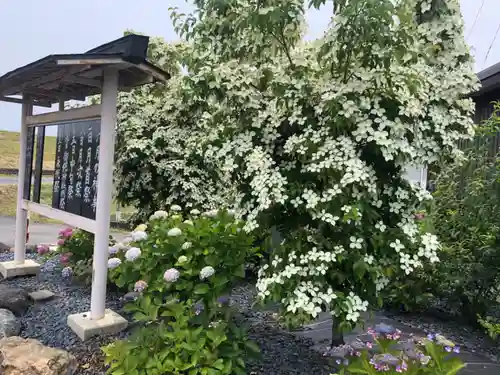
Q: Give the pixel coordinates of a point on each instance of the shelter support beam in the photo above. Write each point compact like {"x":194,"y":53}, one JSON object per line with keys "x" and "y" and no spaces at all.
{"x":101,"y":320}
{"x":20,"y":266}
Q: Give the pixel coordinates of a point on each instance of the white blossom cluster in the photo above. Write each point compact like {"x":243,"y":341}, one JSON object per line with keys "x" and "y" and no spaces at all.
{"x":297,"y":129}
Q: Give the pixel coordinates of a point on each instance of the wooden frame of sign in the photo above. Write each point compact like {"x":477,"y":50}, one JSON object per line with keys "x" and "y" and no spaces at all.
{"x":83,"y":174}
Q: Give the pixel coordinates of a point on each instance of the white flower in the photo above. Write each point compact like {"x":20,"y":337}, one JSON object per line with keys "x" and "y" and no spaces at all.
{"x":120,"y":246}
{"x":176,"y":217}
{"x":114,"y":262}
{"x":206,"y":272}
{"x":171,"y":275}
{"x":186,"y":245}
{"x":141,"y":228}
{"x":139,"y":235}
{"x":112,"y":250}
{"x":174,"y":232}
{"x":369,"y":259}
{"x":126,"y":241}
{"x":188,"y":222}
{"x":212,"y":213}
{"x":132,"y":254}
{"x":159,"y":215}
{"x":195,"y":212}
{"x":175,"y":208}
{"x":182,"y":259}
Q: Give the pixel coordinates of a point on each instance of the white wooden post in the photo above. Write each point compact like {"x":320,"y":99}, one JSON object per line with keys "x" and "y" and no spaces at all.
{"x":21,"y":213}
{"x":104,"y":193}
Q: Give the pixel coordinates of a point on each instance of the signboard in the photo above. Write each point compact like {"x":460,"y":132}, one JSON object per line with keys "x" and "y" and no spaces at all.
{"x":75,"y":174}
{"x":417,"y":175}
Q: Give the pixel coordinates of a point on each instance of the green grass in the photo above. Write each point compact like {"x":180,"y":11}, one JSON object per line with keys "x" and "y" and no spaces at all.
{"x":8,"y":199}
{"x":9,"y":150}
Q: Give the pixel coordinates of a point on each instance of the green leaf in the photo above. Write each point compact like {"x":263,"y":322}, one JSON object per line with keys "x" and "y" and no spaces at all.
{"x":253,"y":347}
{"x":201,"y":289}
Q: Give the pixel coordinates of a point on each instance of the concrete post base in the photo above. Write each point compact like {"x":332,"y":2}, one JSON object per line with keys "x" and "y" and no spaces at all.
{"x":85,"y":328}
{"x":12,"y":269}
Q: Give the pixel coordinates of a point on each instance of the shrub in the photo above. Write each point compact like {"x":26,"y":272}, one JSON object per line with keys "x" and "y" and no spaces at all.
{"x":184,"y":270}
{"x":75,"y":249}
{"x":467,"y":202}
{"x":433,"y":355}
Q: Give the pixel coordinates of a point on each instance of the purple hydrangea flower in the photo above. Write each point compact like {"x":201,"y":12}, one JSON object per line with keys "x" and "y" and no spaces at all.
{"x":224,"y":300}
{"x":67,"y":272}
{"x":198,"y":308}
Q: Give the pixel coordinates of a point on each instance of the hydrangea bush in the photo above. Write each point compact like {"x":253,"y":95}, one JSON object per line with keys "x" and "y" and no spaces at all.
{"x":74,"y":253}
{"x":183,"y":268}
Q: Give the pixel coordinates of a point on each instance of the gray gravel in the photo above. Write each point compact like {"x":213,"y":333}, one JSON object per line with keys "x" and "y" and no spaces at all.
{"x":282,"y":353}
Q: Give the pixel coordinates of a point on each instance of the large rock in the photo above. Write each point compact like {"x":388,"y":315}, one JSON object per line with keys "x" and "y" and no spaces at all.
{"x":9,"y":325}
{"x":29,"y":357}
{"x":13,"y":299}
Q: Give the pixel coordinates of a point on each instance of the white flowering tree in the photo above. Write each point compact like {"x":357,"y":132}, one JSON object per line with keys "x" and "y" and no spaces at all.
{"x":315,"y":136}
{"x":153,"y":169}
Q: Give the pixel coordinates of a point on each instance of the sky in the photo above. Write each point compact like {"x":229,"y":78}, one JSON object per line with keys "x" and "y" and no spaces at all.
{"x":30,"y":30}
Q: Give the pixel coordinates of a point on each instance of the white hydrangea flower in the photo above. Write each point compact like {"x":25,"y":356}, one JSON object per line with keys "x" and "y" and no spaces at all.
{"x":188,"y":222}
{"x":114,"y":262}
{"x":206,"y":272}
{"x":139,"y":235}
{"x":182,"y":259}
{"x":211,"y":213}
{"x":195,"y":212}
{"x":112,"y":250}
{"x":132,"y":254}
{"x":158,"y":215}
{"x":186,"y":245}
{"x":171,"y":275}
{"x":141,"y":228}
{"x":174,"y":232}
{"x":175,"y":208}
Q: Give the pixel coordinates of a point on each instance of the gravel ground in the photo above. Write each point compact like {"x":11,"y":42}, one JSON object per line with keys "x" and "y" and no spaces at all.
{"x":282,"y":353}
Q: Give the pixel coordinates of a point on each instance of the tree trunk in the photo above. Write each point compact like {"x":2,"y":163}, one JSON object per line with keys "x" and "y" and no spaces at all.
{"x":337,"y":334}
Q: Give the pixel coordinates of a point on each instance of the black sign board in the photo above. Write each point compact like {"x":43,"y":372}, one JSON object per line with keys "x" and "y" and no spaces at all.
{"x":75,"y":173}
{"x":29,"y":163}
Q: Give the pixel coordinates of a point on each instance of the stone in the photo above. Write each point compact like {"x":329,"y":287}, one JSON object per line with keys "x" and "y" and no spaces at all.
{"x":41,"y":295}
{"x":29,"y":357}
{"x":12,"y":268}
{"x":9,"y":325}
{"x":13,"y":299}
{"x":131,"y":296}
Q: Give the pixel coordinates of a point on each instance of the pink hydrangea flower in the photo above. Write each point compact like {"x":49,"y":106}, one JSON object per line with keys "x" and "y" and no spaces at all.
{"x":140,"y":286}
{"x":65,"y":258}
{"x":60,"y":242}
{"x":42,"y":249}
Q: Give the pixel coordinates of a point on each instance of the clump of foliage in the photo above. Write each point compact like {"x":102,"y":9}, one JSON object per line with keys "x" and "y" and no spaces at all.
{"x":433,"y":355}
{"x":74,"y":252}
{"x":184,"y":271}
{"x":313,"y":136}
{"x":467,"y":203}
